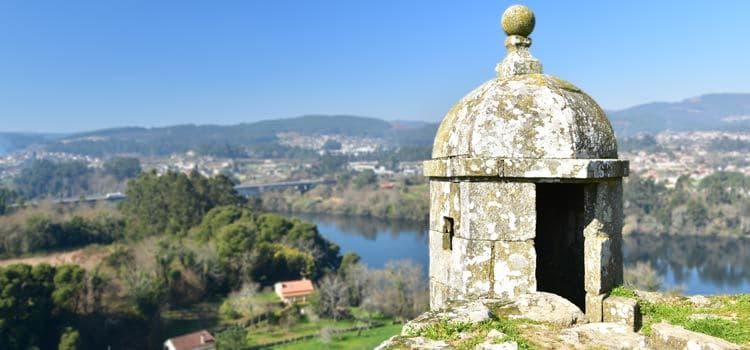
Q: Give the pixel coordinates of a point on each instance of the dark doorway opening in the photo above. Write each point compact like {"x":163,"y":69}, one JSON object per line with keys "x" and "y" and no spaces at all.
{"x":559,"y":241}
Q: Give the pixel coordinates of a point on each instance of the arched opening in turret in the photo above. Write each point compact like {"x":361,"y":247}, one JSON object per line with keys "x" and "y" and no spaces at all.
{"x":559,"y":241}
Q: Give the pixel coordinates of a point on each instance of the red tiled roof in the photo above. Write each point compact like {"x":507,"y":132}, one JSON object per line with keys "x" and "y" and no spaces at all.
{"x":192,"y":340}
{"x":296,"y":288}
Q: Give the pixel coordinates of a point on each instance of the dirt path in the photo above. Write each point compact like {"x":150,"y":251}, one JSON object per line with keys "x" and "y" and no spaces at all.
{"x":85,"y":257}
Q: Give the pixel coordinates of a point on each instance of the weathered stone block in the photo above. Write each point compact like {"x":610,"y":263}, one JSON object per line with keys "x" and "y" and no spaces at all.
{"x":444,"y":202}
{"x":475,"y":166}
{"x":542,"y":307}
{"x":564,"y":168}
{"x":471,"y":267}
{"x":612,"y":336}
{"x":514,"y":268}
{"x":435,"y":167}
{"x":497,"y":211}
{"x":440,"y":259}
{"x":439,"y":294}
{"x":608,"y":207}
{"x":603,"y":263}
{"x":669,"y":337}
{"x":594,"y":303}
{"x":622,"y":310}
{"x":527,"y":168}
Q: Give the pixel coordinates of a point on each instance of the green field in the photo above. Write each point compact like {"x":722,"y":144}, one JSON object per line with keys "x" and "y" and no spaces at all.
{"x":368,"y":339}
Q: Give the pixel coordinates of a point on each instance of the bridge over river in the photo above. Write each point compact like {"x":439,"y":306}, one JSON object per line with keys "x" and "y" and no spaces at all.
{"x":247,"y":190}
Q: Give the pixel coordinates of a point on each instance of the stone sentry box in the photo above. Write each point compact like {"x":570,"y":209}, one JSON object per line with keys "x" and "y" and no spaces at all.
{"x":525,"y":188}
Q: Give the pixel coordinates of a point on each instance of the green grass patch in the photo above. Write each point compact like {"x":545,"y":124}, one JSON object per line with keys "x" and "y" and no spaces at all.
{"x":444,"y":330}
{"x":267,"y":333}
{"x":365,"y":340}
{"x":727,"y":318}
{"x":449,"y":332}
{"x":268,"y":297}
{"x":621,"y":291}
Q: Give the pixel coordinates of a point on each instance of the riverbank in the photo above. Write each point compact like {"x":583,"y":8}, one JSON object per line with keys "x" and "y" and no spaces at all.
{"x":402,"y":200}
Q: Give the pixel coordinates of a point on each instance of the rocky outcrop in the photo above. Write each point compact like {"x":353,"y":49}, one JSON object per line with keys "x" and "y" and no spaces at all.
{"x":542,"y":307}
{"x":613,"y":336}
{"x":548,"y":321}
{"x":457,"y":313}
{"x":670,"y":337}
{"x":622,"y":310}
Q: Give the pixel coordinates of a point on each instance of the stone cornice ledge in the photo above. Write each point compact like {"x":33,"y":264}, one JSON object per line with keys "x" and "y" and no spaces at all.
{"x":527,"y":168}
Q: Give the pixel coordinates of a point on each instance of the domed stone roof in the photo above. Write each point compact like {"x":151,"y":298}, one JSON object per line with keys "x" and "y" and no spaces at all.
{"x":523,"y":113}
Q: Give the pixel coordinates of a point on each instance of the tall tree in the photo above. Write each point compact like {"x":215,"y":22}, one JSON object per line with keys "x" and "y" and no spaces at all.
{"x":332,"y":298}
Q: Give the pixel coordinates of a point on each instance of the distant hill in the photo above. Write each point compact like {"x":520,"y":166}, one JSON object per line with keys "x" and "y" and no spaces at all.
{"x":11,"y":141}
{"x":180,"y":138}
{"x":706,"y":112}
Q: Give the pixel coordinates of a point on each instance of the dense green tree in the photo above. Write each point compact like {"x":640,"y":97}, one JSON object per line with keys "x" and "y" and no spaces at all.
{"x":643,"y":193}
{"x":235,"y":240}
{"x":7,"y":198}
{"x":122,"y":167}
{"x":69,"y":340}
{"x":70,"y":288}
{"x":272,"y":262}
{"x":26,"y":306}
{"x":174,"y":202}
{"x":232,"y":338}
{"x":348,"y":260}
{"x":146,"y":293}
{"x":698,"y":214}
{"x":365,"y":178}
{"x":41,"y":232}
{"x":219,"y":217}
{"x":725,"y":187}
{"x":57,"y":179}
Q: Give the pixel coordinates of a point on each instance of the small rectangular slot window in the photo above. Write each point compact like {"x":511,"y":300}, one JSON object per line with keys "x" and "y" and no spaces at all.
{"x":448,"y":233}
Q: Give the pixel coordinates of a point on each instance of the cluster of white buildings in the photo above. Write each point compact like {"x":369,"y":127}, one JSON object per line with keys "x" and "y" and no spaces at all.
{"x":689,"y":153}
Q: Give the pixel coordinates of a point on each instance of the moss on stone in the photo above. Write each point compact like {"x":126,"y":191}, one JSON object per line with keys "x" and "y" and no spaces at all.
{"x":726,"y":317}
{"x":464,"y":336}
{"x":622,"y":291}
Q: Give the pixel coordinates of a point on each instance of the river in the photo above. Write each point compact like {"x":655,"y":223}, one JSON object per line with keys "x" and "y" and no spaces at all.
{"x":691,"y":264}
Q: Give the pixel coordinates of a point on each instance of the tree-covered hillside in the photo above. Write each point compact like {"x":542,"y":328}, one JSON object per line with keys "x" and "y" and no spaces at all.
{"x":227,"y":138}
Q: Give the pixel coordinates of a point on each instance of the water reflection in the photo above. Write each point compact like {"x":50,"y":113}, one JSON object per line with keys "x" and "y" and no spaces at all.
{"x":699,"y":265}
{"x":377,"y":241}
{"x":695,"y":264}
{"x":368,"y":228}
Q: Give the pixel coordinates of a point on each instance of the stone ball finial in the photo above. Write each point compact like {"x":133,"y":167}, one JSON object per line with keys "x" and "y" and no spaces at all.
{"x":518,"y":20}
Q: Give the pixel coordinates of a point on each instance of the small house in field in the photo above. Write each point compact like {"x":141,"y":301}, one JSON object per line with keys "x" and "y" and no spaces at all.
{"x":200,"y":340}
{"x":387,"y":185}
{"x":294,"y":291}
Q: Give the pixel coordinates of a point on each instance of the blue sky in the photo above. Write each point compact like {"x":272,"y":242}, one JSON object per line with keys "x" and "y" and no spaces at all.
{"x":79,"y":65}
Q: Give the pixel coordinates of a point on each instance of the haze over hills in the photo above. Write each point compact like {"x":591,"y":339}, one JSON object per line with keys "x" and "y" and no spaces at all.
{"x":706,"y":112}
{"x":181,"y":138}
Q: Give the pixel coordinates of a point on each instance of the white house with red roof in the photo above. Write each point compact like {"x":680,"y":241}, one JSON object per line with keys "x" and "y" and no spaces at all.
{"x":294,"y":291}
